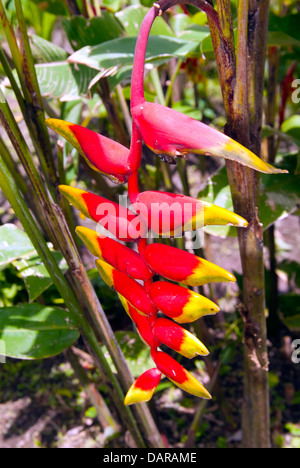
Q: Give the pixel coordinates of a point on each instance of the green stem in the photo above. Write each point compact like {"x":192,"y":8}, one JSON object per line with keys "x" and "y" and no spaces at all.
{"x":13,"y":168}
{"x":34,"y":101}
{"x":105,"y":418}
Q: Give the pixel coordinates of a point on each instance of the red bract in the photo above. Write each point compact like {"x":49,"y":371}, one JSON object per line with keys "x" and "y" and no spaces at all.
{"x":118,"y":220}
{"x":166,"y":131}
{"x":102,"y":154}
{"x":127,"y":287}
{"x":178,"y":339}
{"x":184,"y":267}
{"x":117,"y":255}
{"x":141,"y":322}
{"x":143,"y":388}
{"x":171,"y":214}
{"x":180,"y":304}
{"x":178,"y":374}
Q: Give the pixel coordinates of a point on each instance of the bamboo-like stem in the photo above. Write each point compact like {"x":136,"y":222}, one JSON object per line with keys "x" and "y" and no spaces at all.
{"x":244,"y":124}
{"x":34,"y":102}
{"x":105,"y":418}
{"x":13,"y":168}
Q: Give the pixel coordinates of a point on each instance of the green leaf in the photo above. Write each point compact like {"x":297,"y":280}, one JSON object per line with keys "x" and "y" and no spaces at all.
{"x":45,"y":51}
{"x":16,"y":248}
{"x":198,"y":34}
{"x":35,"y":275}
{"x":131,"y":19}
{"x":34,"y":331}
{"x":63,"y":80}
{"x":121,"y":52}
{"x":56,"y":7}
{"x":14,"y":244}
{"x":286,"y":25}
{"x":82,"y":31}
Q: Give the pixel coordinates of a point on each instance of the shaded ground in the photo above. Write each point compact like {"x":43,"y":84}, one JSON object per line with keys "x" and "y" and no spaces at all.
{"x":42,"y":406}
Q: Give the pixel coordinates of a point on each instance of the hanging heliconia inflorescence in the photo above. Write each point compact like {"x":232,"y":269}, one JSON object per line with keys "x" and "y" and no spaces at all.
{"x":131,"y":274}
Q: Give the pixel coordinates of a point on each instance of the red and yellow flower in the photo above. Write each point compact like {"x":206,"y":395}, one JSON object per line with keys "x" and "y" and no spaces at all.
{"x":167,"y":132}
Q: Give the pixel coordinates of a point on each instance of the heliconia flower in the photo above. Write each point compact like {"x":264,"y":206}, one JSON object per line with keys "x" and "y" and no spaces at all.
{"x":179,"y":303}
{"x":178,"y":374}
{"x":177,"y":338}
{"x":116,"y":254}
{"x":102,"y":154}
{"x":172,"y":214}
{"x":118,"y":220}
{"x":127,"y":287}
{"x":169,"y":132}
{"x":144,"y":387}
{"x":141,"y":322}
{"x":184,"y":267}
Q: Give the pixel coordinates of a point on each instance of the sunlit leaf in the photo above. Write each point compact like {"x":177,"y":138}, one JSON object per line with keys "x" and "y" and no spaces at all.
{"x":35,"y":275}
{"x":14,"y":244}
{"x":34,"y":331}
{"x":132,"y":17}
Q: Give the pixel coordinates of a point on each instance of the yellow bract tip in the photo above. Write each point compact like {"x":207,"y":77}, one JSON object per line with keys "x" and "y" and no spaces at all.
{"x":106,"y":271}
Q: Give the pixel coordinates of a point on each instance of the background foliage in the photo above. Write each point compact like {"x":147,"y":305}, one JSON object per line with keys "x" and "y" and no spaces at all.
{"x":83,"y":60}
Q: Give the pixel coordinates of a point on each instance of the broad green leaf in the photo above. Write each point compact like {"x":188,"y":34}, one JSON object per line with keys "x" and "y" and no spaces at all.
{"x":137,"y":354}
{"x":198,"y":34}
{"x":16,"y":248}
{"x":82,"y":31}
{"x":120,"y":52}
{"x":131,"y":18}
{"x":35,"y":275}
{"x":34,"y":331}
{"x":45,"y":51}
{"x":288,"y":24}
{"x":14,"y":244}
{"x":64,"y":81}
